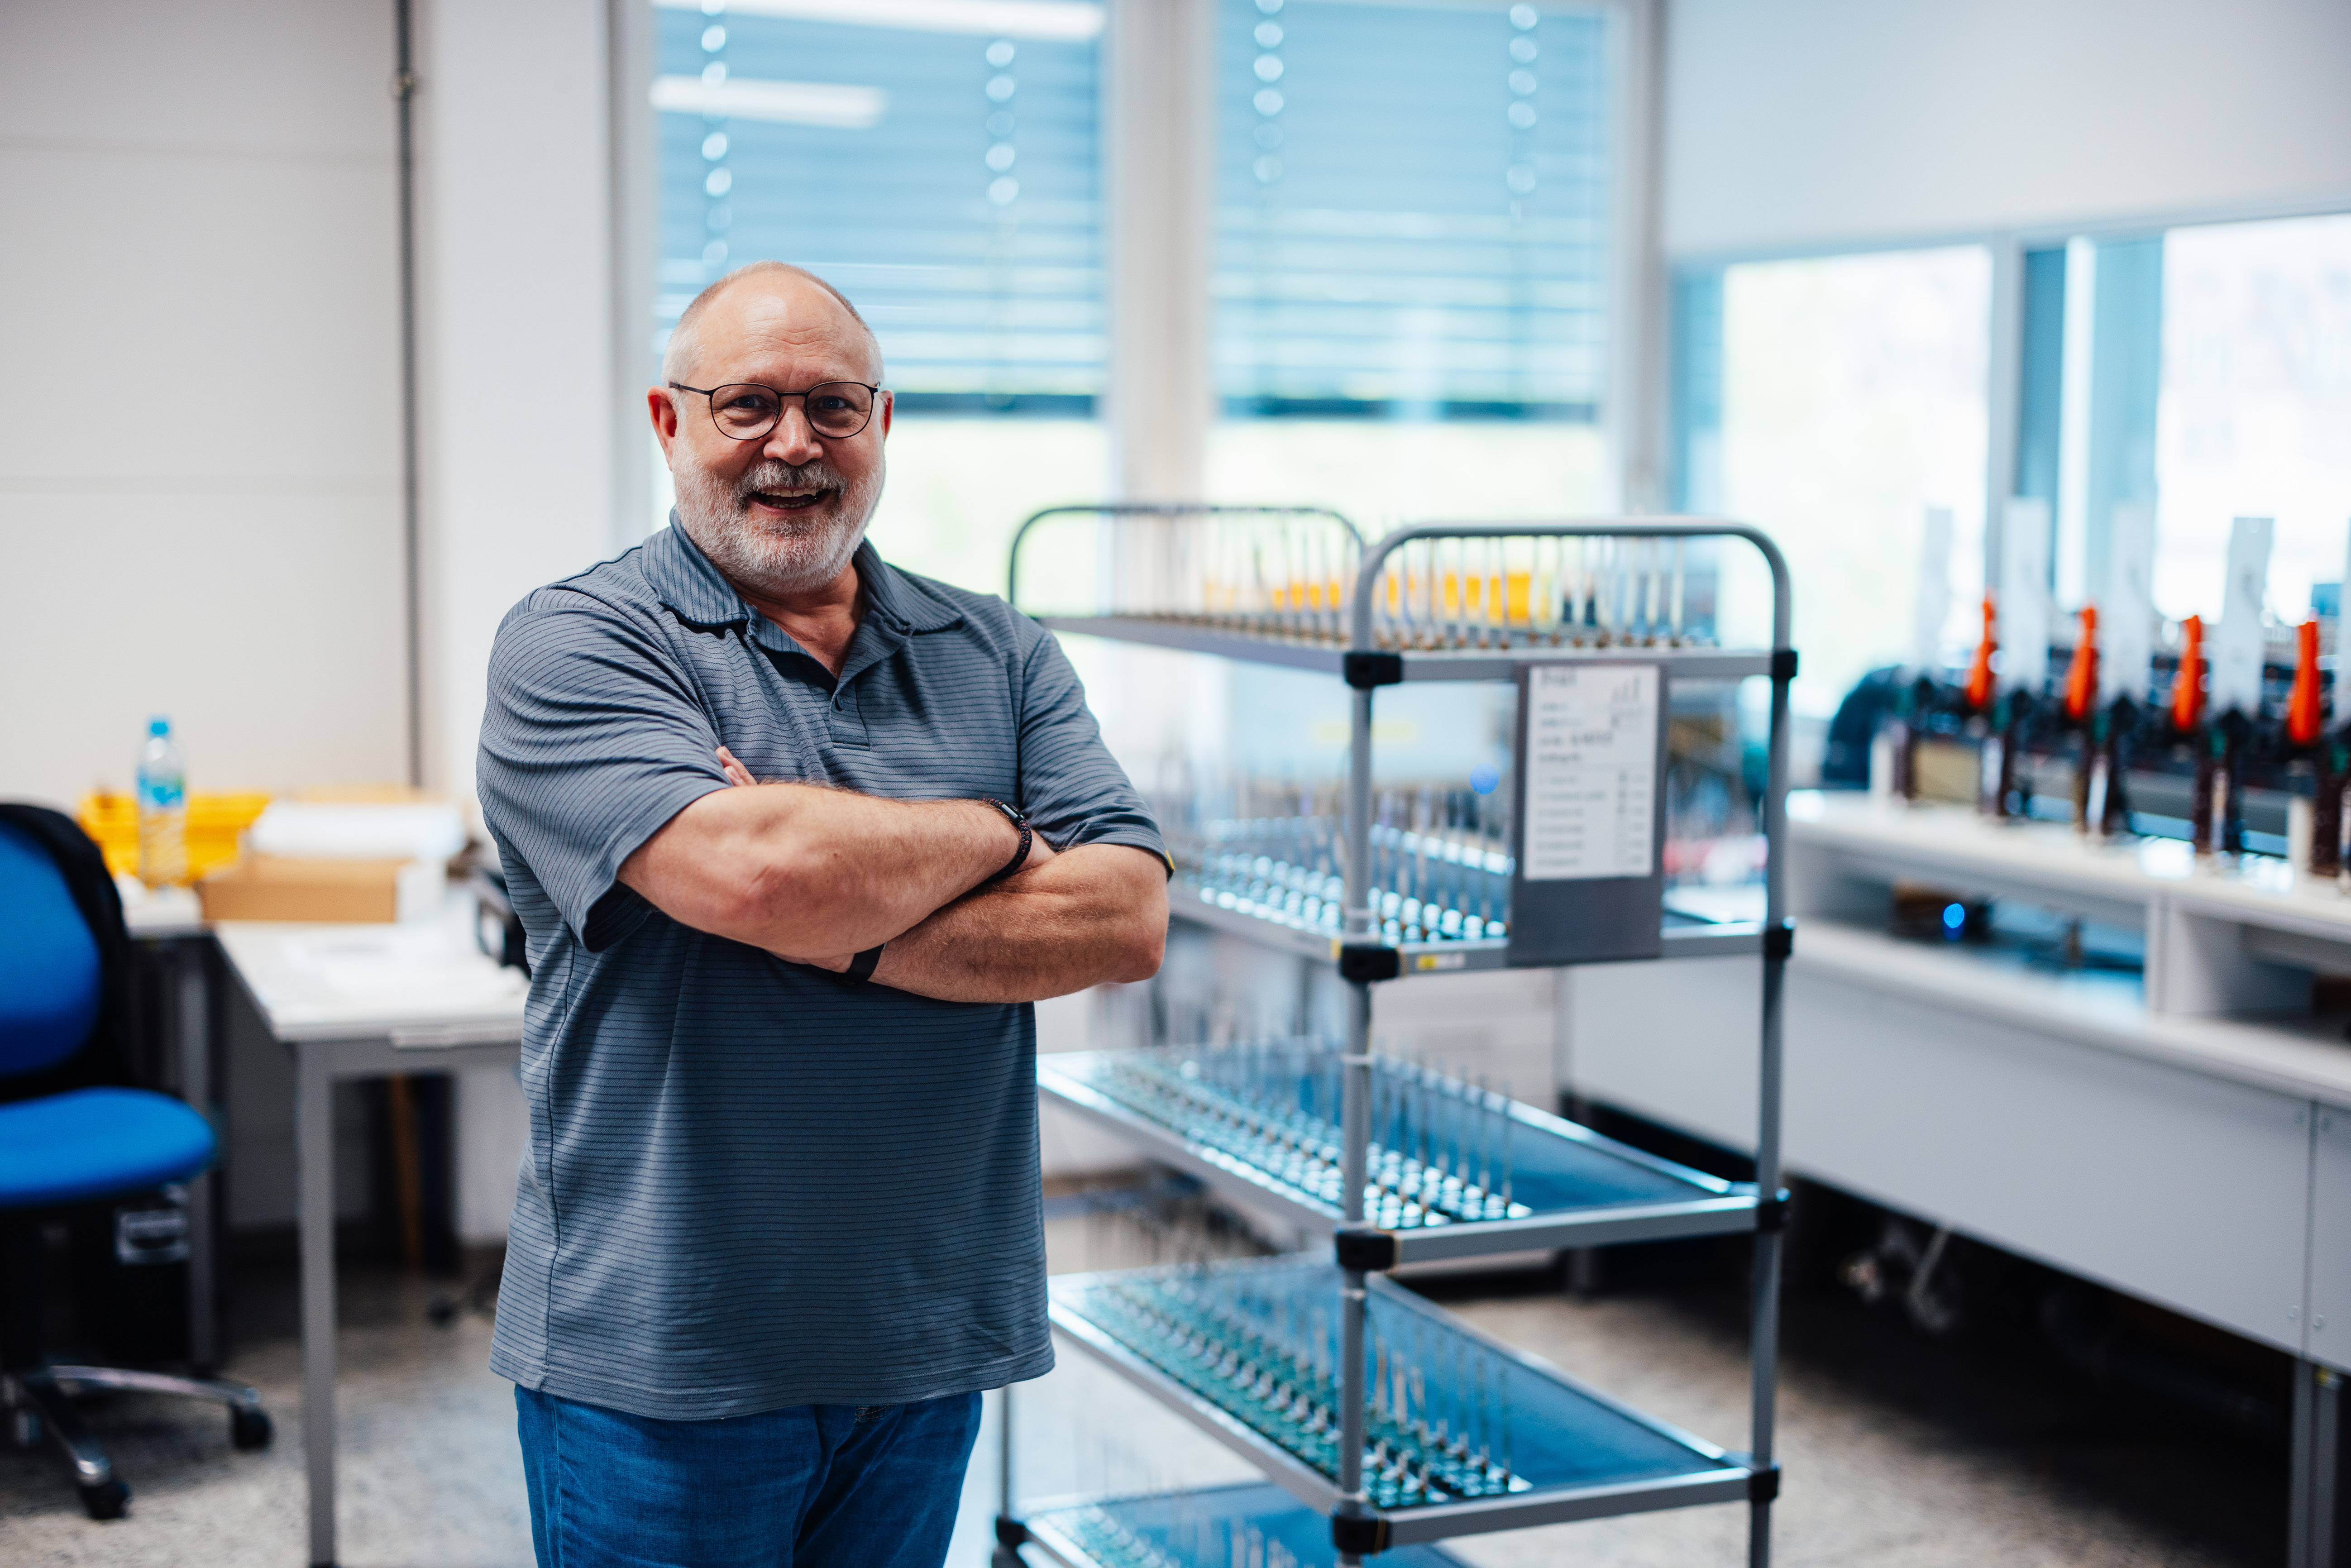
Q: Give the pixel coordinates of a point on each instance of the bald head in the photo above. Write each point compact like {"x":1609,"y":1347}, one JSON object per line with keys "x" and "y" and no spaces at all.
{"x":767,"y":294}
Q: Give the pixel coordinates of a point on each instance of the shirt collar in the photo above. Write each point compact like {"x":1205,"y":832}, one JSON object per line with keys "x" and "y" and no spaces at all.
{"x":698,"y":593}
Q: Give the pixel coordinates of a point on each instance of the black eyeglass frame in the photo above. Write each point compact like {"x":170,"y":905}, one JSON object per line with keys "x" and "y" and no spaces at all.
{"x":712,"y":394}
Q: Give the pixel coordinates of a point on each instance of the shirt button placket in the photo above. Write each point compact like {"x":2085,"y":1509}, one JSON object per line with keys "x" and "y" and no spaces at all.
{"x":848,"y":724}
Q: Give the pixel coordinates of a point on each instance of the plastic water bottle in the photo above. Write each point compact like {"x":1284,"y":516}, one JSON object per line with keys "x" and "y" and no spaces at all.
{"x":162,"y":808}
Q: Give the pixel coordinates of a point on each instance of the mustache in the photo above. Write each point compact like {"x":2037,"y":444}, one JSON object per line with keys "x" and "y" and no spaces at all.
{"x":770,"y":475}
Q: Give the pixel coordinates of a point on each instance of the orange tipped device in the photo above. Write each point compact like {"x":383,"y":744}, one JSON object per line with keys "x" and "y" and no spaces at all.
{"x":2082,"y":675}
{"x":2304,"y":714}
{"x":1979,"y":673}
{"x":2188,"y":691}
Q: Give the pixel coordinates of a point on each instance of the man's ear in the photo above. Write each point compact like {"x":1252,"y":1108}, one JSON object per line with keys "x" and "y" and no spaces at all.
{"x":663,"y":407}
{"x":889,"y":406}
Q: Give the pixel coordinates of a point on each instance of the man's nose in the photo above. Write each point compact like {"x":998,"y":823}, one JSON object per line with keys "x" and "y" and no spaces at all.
{"x":793,"y":440}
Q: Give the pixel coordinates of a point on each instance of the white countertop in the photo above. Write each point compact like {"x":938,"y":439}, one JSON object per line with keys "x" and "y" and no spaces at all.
{"x":1959,"y":843}
{"x":2295,"y":1054}
{"x":421,"y":983}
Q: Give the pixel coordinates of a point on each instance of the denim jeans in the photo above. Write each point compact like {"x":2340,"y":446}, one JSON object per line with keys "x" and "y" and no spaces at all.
{"x":815,"y":1486}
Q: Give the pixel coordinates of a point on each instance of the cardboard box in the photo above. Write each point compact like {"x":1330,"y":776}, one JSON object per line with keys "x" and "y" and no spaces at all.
{"x":266,"y":887}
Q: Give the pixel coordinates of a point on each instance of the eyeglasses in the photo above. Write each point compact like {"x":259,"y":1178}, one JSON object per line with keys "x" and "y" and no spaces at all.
{"x":746,"y":411}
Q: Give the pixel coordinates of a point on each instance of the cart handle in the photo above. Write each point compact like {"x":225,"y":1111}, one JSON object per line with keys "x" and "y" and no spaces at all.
{"x":1153,"y":509}
{"x":1375,"y":559}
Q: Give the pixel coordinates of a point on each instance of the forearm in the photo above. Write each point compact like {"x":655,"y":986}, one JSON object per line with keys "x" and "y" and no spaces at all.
{"x":1093,"y":916}
{"x":797,"y":869}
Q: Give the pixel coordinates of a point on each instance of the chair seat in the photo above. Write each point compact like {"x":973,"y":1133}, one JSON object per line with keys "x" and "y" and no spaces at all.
{"x":91,"y":1143}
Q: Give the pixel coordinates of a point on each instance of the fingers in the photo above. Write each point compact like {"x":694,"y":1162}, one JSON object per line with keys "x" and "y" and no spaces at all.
{"x":736,"y":772}
{"x":838,"y":964}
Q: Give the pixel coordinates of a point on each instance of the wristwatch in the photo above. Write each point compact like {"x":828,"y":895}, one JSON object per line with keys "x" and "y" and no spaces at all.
{"x":1018,"y":819}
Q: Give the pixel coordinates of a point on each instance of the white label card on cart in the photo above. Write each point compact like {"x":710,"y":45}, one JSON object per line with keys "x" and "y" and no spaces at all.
{"x":1590,"y":771}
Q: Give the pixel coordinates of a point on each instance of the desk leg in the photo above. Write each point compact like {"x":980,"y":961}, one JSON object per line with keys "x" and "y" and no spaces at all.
{"x":314,"y":1142}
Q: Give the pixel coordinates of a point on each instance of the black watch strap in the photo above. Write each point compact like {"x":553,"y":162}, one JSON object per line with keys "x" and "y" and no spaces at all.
{"x":1018,"y":819}
{"x":861,"y":969}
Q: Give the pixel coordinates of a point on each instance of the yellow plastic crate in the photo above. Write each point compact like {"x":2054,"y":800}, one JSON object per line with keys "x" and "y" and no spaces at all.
{"x":213,"y":824}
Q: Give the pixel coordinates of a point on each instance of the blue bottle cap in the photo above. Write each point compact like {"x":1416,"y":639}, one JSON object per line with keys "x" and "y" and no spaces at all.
{"x":159,"y":724}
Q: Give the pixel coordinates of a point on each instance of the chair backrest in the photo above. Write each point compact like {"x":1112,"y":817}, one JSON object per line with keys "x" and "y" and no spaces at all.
{"x":51,"y":981}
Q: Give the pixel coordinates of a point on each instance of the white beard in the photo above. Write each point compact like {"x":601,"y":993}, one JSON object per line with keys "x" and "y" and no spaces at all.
{"x":782,"y":558}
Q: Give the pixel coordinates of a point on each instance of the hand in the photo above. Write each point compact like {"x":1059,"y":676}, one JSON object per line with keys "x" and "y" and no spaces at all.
{"x":736,"y":772}
{"x":1039,"y":852}
{"x":839,"y":965}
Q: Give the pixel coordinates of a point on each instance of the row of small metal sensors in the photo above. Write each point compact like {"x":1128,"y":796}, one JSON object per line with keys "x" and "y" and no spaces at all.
{"x":1192,"y":1540}
{"x":1295,"y":580}
{"x":1442,"y":1148}
{"x":1439,"y":868}
{"x":1263,"y":1345}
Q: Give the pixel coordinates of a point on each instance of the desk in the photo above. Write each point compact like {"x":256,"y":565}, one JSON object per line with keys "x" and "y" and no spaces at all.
{"x":168,"y":927}
{"x":355,"y":1001}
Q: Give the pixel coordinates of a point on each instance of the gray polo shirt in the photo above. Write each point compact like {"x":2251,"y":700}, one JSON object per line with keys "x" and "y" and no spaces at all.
{"x":750,"y":1185}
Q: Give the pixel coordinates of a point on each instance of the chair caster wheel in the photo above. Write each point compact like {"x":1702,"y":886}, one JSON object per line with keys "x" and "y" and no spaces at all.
{"x":248,"y":1428}
{"x":108,"y":1500}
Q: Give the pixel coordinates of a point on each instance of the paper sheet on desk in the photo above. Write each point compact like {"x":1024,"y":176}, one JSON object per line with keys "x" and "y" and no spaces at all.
{"x":400,"y":965}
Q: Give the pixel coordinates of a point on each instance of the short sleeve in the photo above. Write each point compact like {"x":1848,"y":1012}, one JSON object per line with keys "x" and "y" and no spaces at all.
{"x":592,"y":740}
{"x":1070,"y":785}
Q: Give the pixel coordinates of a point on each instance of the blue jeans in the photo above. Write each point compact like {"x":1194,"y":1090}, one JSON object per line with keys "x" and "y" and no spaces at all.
{"x":816,"y":1486}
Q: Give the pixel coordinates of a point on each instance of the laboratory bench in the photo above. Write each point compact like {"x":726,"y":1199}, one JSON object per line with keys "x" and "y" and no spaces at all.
{"x":2161,"y":1105}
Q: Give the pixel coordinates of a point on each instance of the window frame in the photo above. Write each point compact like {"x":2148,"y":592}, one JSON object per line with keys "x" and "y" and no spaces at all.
{"x":2007,"y":365}
{"x":1158,"y":160}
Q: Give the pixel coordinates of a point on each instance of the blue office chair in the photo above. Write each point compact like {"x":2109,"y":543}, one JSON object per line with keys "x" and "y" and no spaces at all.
{"x":66,"y":1146}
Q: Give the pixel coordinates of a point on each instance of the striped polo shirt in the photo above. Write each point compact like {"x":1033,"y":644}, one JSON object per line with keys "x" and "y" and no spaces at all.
{"x":750,"y":1185}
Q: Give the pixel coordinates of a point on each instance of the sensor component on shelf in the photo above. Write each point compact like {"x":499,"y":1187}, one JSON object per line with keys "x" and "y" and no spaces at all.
{"x":1218,"y":1527}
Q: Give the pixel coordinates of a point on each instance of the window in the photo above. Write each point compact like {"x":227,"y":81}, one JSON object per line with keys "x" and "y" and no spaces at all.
{"x":938,"y":161}
{"x":1832,"y":403}
{"x":2195,"y":373}
{"x":2255,"y":412}
{"x":1411,"y":254}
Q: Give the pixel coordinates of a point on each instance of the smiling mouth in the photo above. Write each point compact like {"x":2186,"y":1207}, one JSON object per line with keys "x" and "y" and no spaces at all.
{"x":789,"y":500}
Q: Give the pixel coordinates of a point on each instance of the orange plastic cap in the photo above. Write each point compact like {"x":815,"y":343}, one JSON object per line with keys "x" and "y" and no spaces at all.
{"x":1979,"y":673}
{"x":2082,"y":675}
{"x":2188,"y":688}
{"x":2306,"y":709}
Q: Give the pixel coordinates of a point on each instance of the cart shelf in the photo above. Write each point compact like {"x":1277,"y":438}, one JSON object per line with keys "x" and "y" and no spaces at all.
{"x":1216,"y":1528}
{"x":1685,"y":936}
{"x":1464,"y":1435}
{"x":1538,"y":1181}
{"x":1326,"y":652}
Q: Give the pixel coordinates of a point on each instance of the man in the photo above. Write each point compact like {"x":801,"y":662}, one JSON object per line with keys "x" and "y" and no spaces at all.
{"x":760,"y":799}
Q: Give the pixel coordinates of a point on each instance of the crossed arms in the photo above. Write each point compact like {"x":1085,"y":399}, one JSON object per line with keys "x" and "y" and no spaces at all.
{"x":817,"y":876}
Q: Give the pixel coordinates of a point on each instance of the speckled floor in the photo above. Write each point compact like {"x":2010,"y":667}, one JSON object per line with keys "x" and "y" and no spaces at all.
{"x":1898,"y":1454}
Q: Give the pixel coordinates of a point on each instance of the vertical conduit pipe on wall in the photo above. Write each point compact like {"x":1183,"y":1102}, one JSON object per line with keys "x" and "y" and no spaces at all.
{"x":403,"y":95}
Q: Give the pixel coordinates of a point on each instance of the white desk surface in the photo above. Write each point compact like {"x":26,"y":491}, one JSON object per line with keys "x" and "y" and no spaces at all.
{"x":421,"y":983}
{"x":160,"y":912}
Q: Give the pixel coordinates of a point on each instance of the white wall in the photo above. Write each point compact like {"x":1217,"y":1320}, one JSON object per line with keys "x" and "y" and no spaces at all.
{"x":516,"y":321}
{"x":199,"y":437}
{"x":1832,"y":123}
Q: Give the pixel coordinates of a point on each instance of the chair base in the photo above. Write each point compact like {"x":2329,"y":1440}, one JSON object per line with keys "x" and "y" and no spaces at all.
{"x":39,"y":1402}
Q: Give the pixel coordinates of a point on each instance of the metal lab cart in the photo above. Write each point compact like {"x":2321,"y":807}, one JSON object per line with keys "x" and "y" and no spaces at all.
{"x":1386,"y":1423}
